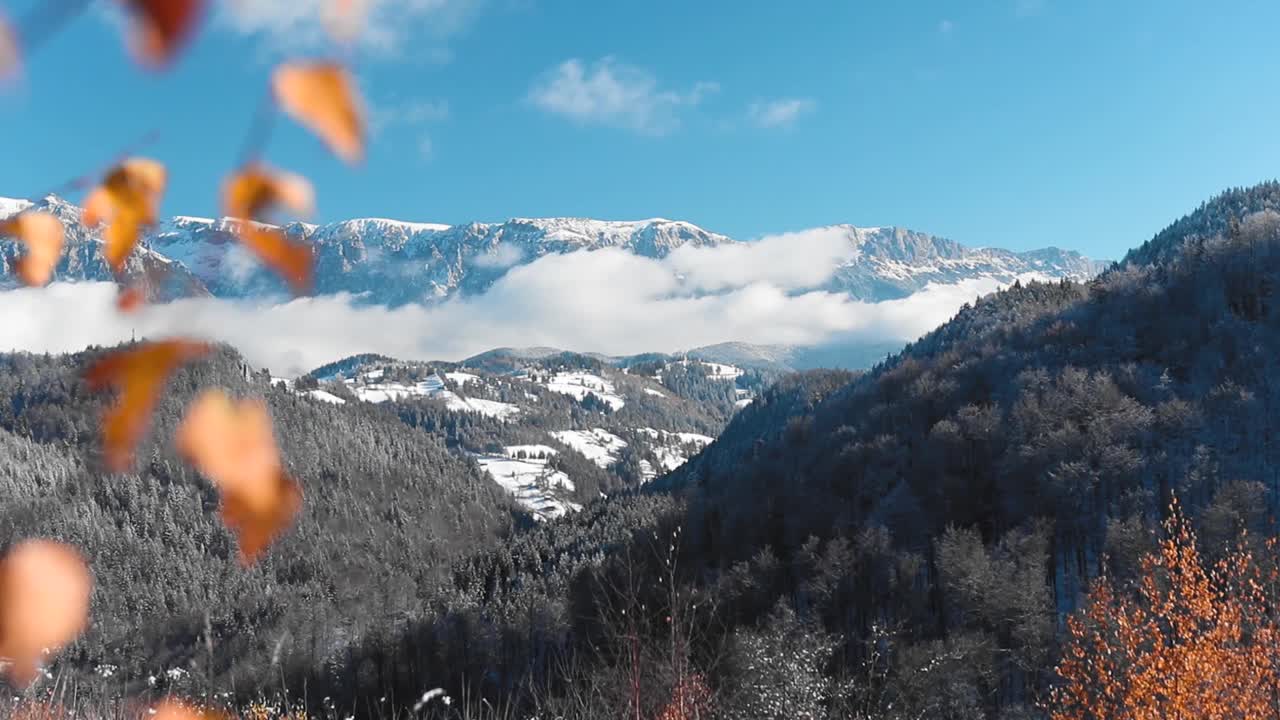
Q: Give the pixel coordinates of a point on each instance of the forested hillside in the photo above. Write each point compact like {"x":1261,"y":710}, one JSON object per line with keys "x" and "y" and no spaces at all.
{"x":900,"y":544}
{"x":961,"y":495}
{"x":397,"y":491}
{"x":557,"y":430}
{"x":386,"y":509}
{"x":909,"y":543}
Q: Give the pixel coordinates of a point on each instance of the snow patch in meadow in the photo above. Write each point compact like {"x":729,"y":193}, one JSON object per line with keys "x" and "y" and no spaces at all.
{"x":461,"y":378}
{"x":530,"y":481}
{"x":432,"y":387}
{"x":325,"y":396}
{"x":578,"y":384}
{"x":669,"y":448}
{"x":598,"y":445}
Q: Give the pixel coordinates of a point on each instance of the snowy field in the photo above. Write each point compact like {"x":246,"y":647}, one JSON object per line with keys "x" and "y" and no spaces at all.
{"x":578,"y":384}
{"x":598,"y":445}
{"x":529,"y":480}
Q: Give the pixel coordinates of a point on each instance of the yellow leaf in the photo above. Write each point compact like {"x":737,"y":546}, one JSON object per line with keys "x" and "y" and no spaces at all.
{"x":322,"y":97}
{"x":44,"y":603}
{"x":42,"y":233}
{"x":249,"y":196}
{"x":140,"y":374}
{"x":232,"y":444}
{"x":127,"y":200}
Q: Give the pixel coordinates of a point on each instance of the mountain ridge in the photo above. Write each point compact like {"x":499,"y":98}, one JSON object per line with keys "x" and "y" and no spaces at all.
{"x":393,"y":262}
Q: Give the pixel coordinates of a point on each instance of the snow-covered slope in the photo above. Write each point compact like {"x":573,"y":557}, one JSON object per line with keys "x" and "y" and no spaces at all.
{"x":554,"y":431}
{"x":523,"y":471}
{"x":371,"y":387}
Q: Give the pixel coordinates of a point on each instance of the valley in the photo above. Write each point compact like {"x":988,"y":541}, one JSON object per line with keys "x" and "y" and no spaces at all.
{"x":535,"y":416}
{"x":523,"y":360}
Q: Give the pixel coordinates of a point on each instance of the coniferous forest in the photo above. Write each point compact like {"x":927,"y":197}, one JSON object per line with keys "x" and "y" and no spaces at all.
{"x":928,"y":539}
{"x":1063,"y":503}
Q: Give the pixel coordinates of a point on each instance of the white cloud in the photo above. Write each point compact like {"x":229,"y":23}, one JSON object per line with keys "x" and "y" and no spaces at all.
{"x":779,"y":113}
{"x":606,"y":301}
{"x":503,"y":255}
{"x":382,"y":26}
{"x":790,"y":261}
{"x":614,"y":94}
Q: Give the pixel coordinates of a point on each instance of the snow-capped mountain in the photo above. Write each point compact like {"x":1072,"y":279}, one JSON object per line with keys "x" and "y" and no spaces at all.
{"x":892,"y":262}
{"x":391,"y":262}
{"x":82,"y":257}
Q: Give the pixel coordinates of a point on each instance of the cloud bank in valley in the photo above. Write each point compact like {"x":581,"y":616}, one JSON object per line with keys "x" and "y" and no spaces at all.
{"x":608,"y":301}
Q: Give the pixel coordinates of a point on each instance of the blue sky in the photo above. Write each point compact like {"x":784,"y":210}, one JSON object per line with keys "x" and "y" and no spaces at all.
{"x":1015,"y":123}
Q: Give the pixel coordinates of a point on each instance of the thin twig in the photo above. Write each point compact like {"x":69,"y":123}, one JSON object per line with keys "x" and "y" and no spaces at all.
{"x":260,"y":129}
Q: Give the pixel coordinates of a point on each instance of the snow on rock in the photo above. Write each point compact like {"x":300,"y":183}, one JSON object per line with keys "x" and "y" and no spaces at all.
{"x":743,"y":402}
{"x":598,"y":445}
{"x":530,"y":481}
{"x":579,"y":384}
{"x":655,"y":393}
{"x":385,"y":224}
{"x":12,"y":206}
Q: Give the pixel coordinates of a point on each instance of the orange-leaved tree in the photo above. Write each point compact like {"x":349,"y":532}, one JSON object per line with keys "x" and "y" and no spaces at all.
{"x":1193,"y":640}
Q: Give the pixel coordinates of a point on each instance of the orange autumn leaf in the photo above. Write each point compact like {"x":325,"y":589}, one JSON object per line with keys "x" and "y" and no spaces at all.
{"x":162,"y":26}
{"x":232,"y":444}
{"x":322,"y":97}
{"x":130,"y":299}
{"x":127,"y":200}
{"x":249,"y":196}
{"x":42,"y":233}
{"x":44,"y":603}
{"x":257,"y":189}
{"x":1190,"y":639}
{"x":140,"y":374}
